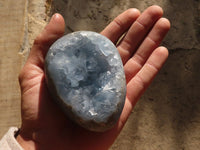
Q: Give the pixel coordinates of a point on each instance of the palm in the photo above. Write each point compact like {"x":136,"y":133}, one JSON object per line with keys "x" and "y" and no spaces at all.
{"x":42,"y":121}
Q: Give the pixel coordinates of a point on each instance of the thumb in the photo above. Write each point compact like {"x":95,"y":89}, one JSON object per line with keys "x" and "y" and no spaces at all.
{"x":53,"y":30}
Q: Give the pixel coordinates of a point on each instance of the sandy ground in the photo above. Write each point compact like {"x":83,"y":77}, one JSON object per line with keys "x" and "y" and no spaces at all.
{"x":167,"y":117}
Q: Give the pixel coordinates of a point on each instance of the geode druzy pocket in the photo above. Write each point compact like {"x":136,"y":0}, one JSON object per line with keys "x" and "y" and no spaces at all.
{"x":85,"y":75}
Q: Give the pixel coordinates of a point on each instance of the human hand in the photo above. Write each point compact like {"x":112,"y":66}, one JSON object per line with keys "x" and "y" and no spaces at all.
{"x":44,"y":126}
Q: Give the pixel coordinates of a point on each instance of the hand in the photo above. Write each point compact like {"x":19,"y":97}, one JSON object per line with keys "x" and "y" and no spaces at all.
{"x":44,"y":126}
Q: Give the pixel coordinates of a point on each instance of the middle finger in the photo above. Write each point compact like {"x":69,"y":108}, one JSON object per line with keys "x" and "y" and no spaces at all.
{"x":138,"y":31}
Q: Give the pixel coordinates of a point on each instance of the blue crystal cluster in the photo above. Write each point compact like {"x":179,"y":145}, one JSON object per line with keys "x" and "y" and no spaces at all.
{"x":85,"y":75}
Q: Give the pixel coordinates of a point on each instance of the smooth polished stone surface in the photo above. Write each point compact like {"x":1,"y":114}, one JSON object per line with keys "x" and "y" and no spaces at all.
{"x":84,"y":74}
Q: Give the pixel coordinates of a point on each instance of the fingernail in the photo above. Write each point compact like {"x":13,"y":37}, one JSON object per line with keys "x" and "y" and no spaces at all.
{"x":56,"y":15}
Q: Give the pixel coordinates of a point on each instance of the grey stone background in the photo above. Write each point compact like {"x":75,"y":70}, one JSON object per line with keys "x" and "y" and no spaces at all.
{"x":167,"y":117}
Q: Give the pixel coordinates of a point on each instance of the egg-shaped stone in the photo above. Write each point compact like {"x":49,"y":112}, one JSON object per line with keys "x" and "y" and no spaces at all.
{"x":85,"y":76}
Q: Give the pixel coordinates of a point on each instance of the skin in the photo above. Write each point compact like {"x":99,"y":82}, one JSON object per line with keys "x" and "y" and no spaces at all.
{"x":44,"y":126}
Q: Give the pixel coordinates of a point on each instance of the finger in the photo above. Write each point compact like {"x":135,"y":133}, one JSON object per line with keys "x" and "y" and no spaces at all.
{"x":150,"y":43}
{"x":143,"y":78}
{"x":138,"y":31}
{"x":120,"y":24}
{"x":140,"y":82}
{"x":54,"y":30}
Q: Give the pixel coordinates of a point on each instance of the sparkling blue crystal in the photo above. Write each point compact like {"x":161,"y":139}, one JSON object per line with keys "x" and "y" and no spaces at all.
{"x":85,"y":76}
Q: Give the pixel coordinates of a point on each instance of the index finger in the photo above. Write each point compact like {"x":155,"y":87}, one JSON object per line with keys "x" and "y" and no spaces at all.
{"x":120,"y":24}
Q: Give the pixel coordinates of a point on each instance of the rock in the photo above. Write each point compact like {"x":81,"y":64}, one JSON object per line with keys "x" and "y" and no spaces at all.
{"x":84,"y":74}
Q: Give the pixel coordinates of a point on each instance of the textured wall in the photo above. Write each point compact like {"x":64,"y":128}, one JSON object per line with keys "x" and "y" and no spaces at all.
{"x":20,"y":22}
{"x":11,"y":38}
{"x":168,"y":115}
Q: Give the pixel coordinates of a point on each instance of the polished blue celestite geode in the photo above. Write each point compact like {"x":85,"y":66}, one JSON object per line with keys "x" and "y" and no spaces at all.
{"x":84,"y":74}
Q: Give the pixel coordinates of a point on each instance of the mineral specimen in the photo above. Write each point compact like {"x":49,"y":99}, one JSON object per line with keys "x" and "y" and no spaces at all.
{"x":84,"y":74}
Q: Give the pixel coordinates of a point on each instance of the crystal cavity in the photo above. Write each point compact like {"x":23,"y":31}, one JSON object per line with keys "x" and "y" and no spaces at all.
{"x":84,"y":73}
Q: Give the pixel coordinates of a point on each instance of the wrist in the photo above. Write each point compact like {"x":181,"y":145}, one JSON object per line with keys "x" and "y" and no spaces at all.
{"x":25,"y":141}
